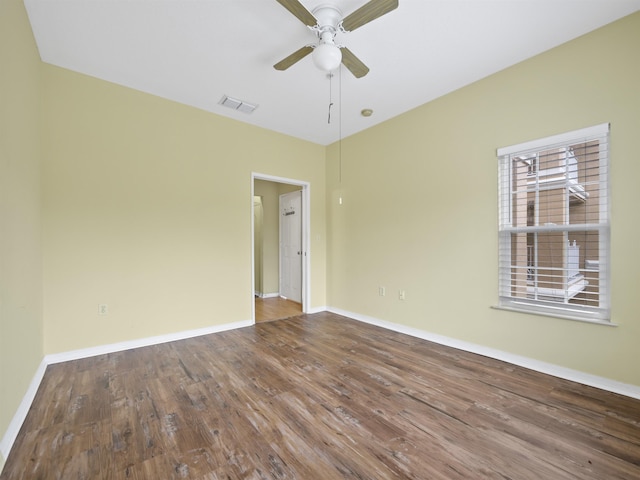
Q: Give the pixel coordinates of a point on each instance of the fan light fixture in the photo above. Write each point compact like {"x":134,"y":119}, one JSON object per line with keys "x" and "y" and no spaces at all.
{"x":326,"y":21}
{"x":327,"y":56}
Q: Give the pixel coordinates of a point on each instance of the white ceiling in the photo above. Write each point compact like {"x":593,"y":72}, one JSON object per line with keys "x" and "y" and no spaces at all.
{"x":196,"y":51}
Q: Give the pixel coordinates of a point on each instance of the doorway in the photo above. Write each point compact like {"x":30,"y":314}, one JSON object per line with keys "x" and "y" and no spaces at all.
{"x":280,"y":241}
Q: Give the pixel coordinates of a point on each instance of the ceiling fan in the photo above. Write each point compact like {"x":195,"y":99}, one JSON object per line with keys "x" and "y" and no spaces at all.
{"x":326,"y":21}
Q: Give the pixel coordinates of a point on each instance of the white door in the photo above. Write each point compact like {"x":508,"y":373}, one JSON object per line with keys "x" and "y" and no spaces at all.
{"x":291,"y":246}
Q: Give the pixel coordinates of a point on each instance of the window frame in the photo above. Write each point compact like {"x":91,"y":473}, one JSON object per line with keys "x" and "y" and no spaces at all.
{"x":506,"y":299}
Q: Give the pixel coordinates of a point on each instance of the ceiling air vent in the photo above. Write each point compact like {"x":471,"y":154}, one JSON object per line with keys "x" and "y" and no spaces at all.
{"x":236,"y":104}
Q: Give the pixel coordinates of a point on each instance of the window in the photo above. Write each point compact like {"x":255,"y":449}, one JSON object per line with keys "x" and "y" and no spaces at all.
{"x":554,"y":225}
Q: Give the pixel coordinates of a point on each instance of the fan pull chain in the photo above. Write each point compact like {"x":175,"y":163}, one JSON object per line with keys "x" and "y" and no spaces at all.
{"x":340,"y":128}
{"x":330,"y":98}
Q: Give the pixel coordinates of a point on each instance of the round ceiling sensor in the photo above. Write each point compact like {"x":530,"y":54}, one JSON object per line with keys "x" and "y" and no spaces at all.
{"x":366,"y":112}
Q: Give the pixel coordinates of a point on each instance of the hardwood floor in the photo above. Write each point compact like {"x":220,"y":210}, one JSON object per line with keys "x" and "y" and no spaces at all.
{"x":318,"y":397}
{"x":275,"y":308}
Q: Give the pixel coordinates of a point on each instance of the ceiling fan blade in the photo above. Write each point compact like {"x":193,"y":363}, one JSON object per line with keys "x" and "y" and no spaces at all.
{"x":299,"y":11}
{"x":293,"y":58}
{"x":353,"y":63}
{"x":368,"y":12}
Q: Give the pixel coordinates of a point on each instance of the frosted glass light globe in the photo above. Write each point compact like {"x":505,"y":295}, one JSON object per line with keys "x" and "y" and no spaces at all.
{"x":327,"y":57}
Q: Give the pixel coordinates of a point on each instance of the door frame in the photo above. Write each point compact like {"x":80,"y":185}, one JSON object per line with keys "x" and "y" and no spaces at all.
{"x":306,"y":237}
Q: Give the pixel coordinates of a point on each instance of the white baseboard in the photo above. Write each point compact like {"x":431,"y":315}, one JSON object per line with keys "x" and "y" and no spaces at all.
{"x":142,"y":342}
{"x":21,"y":414}
{"x":603,"y":383}
{"x":316,"y":310}
{"x":18,"y":418}
{"x":268,"y":295}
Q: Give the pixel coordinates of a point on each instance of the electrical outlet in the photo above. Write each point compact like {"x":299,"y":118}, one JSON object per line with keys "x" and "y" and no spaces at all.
{"x":381,"y":291}
{"x":402,"y":295}
{"x":103,"y":309}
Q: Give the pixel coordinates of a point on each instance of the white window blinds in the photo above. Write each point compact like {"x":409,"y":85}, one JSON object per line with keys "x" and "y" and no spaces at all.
{"x":554,"y":225}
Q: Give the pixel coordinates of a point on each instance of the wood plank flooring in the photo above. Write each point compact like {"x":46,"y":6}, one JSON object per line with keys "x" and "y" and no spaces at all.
{"x":275,"y":308}
{"x":318,"y":397}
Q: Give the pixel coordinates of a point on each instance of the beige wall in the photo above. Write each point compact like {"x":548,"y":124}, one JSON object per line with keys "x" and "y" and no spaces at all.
{"x":20,"y":236}
{"x":420,"y":205}
{"x":147,"y":208}
{"x":269,"y":193}
{"x":258,"y":220}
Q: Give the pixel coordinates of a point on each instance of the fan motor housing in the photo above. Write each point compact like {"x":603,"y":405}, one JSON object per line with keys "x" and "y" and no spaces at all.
{"x":328,"y":17}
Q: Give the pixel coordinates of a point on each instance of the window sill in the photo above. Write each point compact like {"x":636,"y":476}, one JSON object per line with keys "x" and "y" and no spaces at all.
{"x":563,"y":316}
